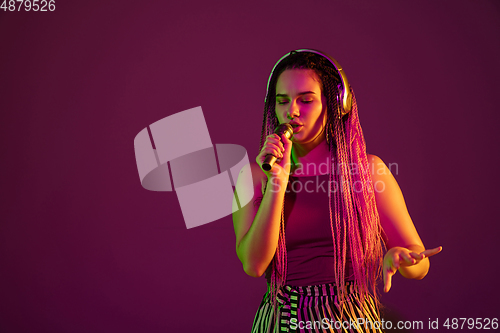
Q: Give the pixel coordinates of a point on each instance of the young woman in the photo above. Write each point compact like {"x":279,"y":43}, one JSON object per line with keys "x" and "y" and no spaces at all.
{"x":319,"y":216}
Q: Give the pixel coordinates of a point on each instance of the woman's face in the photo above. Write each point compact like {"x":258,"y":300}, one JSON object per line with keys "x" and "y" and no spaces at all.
{"x":298,"y":94}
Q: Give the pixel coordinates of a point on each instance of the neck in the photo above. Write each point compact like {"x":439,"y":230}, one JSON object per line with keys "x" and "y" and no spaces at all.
{"x":311,"y":158}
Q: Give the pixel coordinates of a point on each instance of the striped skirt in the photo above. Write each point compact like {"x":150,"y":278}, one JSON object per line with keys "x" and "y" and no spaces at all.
{"x":315,"y":309}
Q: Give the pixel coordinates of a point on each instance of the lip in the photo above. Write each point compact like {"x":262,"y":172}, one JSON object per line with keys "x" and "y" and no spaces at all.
{"x":297,"y":128}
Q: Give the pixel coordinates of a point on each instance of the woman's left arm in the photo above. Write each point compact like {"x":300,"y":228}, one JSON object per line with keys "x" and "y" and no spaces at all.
{"x":406,"y":252}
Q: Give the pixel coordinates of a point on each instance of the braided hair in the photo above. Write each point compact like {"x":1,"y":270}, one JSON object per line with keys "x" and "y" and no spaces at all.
{"x":354,"y":218}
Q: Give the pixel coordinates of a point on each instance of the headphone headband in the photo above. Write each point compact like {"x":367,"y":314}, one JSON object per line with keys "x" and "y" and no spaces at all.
{"x":346,"y":91}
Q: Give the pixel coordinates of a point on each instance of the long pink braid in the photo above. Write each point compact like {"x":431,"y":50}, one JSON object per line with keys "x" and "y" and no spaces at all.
{"x":355,"y":211}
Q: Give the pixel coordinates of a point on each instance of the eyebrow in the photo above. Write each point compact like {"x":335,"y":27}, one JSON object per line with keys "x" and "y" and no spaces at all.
{"x":299,"y":94}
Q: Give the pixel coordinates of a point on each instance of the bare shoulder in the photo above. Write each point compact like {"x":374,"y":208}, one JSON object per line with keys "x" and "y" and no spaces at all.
{"x":374,"y":159}
{"x":377,"y":166}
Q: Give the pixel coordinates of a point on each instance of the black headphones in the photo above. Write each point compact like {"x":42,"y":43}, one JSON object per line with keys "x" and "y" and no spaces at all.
{"x":346,"y":91}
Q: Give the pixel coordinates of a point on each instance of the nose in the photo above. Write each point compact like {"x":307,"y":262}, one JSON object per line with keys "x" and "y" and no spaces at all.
{"x":293,"y":111}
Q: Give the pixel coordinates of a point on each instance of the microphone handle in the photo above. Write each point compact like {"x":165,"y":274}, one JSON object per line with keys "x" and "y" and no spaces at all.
{"x":270,"y":159}
{"x":269,"y":162}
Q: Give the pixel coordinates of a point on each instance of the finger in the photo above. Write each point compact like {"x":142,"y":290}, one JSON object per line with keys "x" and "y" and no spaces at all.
{"x":431,"y":252}
{"x":286,"y":141}
{"x":274,"y":145}
{"x":417,"y":256}
{"x":272,"y":150}
{"x":277,"y":149}
{"x":395,"y":261}
{"x":388,"y":273}
{"x":408,"y":259}
{"x":273,"y":138}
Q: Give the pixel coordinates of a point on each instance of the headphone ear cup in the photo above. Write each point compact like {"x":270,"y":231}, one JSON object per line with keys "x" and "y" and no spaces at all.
{"x":346,"y":102}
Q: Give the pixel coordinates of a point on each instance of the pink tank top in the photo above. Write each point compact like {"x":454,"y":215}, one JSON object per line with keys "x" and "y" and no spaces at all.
{"x":308,"y":234}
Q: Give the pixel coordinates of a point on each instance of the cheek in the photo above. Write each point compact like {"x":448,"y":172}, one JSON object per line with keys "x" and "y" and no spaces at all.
{"x":318,"y":114}
{"x":279,"y":114}
{"x":279,"y":119}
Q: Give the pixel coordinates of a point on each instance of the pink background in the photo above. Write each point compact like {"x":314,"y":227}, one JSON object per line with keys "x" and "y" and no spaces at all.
{"x":84,"y":248}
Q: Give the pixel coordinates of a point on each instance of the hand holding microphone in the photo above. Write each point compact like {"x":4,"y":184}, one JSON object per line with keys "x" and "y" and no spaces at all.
{"x":275,"y":154}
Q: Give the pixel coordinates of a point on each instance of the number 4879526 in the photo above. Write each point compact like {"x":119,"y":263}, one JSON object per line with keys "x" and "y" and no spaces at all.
{"x":28,"y":5}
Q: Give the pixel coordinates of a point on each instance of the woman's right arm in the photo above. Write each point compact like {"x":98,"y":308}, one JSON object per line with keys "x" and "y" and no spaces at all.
{"x":257,"y":225}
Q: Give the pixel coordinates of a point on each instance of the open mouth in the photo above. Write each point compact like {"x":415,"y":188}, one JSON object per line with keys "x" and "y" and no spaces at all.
{"x":296,"y":128}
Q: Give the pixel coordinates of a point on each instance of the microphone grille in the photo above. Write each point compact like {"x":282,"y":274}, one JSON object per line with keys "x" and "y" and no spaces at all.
{"x":284,"y":128}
